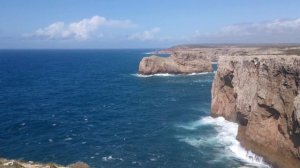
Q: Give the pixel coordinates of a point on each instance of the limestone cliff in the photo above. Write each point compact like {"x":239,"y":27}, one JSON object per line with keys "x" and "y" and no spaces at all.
{"x":261,"y":93}
{"x":178,"y":63}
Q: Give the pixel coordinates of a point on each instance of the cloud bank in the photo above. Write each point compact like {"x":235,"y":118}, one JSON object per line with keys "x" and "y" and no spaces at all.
{"x":281,"y":30}
{"x":80,"y":30}
{"x":274,"y":31}
{"x":145,"y":35}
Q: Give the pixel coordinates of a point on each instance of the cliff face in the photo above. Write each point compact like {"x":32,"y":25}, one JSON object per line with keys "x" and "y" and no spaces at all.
{"x":261,"y":93}
{"x":183,"y":62}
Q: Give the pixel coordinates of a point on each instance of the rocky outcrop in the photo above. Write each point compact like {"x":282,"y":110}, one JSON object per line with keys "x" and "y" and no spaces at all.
{"x":4,"y":163}
{"x":261,"y":93}
{"x":184,"y":62}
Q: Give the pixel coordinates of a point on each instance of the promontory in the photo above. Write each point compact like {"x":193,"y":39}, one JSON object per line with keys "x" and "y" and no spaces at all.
{"x":180,"y":62}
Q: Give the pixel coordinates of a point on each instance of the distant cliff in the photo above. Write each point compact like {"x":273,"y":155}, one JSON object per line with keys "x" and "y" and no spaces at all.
{"x":214,"y":51}
{"x":261,"y":93}
{"x":181,"y":62}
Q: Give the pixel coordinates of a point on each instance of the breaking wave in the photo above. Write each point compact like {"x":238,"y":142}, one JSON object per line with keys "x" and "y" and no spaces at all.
{"x":171,"y":75}
{"x":224,"y":140}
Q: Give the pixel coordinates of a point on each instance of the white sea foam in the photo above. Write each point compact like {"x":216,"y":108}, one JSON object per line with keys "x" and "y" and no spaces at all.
{"x":225,"y":138}
{"x":68,"y":139}
{"x":110,"y":158}
{"x":191,"y":126}
{"x":159,"y":75}
{"x":202,"y":73}
{"x":149,"y":53}
{"x":171,"y":75}
{"x":107,"y":158}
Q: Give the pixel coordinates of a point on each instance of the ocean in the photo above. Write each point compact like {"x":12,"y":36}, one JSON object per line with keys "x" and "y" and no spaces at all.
{"x":65,"y":106}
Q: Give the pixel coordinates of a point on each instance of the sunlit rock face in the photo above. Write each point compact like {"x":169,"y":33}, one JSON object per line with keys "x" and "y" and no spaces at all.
{"x":181,"y":62}
{"x":261,"y":93}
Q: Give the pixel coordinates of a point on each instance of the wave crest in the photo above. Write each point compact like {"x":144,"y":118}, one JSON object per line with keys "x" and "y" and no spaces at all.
{"x":225,"y":138}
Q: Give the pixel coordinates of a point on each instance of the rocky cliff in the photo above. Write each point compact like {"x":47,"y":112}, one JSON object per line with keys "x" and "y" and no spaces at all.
{"x":214,"y":51}
{"x":181,"y":62}
{"x":261,"y":93}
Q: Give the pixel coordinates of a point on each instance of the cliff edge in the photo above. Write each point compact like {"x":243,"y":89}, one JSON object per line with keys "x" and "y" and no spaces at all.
{"x":261,"y":93}
{"x":183,"y":62}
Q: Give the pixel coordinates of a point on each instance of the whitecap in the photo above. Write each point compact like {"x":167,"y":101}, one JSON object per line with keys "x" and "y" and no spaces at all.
{"x":111,"y":158}
{"x":225,"y":138}
{"x":68,"y":139}
{"x":107,"y":158}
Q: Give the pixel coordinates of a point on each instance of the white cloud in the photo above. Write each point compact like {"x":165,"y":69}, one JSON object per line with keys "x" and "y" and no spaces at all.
{"x":284,"y":30}
{"x":145,"y":35}
{"x":271,"y":27}
{"x":80,"y":30}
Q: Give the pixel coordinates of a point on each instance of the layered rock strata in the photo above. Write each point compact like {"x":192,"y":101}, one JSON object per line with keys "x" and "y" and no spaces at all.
{"x":261,"y":93}
{"x":184,"y":62}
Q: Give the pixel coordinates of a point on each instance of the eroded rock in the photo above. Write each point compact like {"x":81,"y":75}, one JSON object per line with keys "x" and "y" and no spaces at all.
{"x":261,"y":93}
{"x":184,"y":62}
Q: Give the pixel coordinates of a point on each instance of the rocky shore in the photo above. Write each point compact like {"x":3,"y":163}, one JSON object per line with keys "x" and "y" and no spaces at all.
{"x":257,"y":87}
{"x":181,"y":62}
{"x":185,"y":60}
{"x":4,"y":163}
{"x":261,"y":93}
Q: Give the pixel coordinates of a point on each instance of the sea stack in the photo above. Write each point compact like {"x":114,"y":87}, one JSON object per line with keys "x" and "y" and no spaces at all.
{"x":181,"y":62}
{"x":261,"y":93}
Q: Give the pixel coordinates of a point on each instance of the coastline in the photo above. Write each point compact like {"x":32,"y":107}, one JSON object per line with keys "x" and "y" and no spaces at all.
{"x":11,"y":163}
{"x":260,"y":93}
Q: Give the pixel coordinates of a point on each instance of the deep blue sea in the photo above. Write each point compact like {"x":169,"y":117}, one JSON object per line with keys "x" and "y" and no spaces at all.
{"x":65,"y":106}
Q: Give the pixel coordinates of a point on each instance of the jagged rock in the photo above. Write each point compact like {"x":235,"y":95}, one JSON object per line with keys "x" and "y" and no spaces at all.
{"x":11,"y":164}
{"x":79,"y":165}
{"x":52,"y":165}
{"x":261,"y":94}
{"x":178,"y":63}
{"x":4,"y":163}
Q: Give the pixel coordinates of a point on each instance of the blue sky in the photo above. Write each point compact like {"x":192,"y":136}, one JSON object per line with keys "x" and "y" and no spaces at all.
{"x":146,"y":23}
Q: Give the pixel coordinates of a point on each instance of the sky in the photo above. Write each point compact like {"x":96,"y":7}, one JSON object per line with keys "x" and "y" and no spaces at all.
{"x":65,"y":24}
